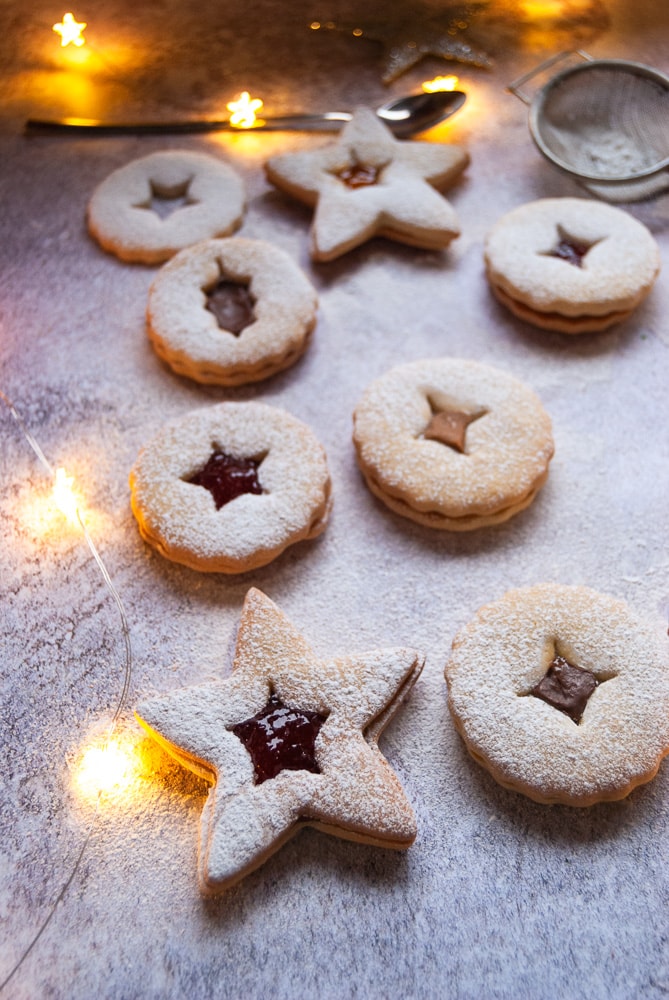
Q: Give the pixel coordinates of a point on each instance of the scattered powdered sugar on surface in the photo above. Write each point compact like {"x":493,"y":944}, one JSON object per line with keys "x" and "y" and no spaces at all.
{"x":356,"y":794}
{"x":528,"y":745}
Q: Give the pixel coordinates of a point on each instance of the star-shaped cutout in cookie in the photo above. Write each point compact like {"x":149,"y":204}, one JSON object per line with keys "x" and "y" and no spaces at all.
{"x":345,"y":702}
{"x":448,"y":425}
{"x":570,"y":248}
{"x":402,"y":201}
{"x":228,"y":477}
{"x":164,"y":201}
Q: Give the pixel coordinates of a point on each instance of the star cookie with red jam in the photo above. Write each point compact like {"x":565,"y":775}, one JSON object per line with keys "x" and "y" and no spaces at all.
{"x":288,"y":740}
{"x":368,"y":184}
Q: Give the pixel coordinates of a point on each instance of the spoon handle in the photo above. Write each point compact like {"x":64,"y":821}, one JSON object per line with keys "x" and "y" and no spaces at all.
{"x":328,"y":121}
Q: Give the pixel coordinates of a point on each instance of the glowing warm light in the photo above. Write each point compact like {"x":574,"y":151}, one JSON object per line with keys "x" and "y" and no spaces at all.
{"x":70,"y":31}
{"x":109,"y":767}
{"x":64,"y":497}
{"x":440,"y":83}
{"x":539,"y":9}
{"x":244,"y":110}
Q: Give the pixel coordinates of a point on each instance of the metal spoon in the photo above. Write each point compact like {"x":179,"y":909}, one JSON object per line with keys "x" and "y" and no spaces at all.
{"x":404,"y":116}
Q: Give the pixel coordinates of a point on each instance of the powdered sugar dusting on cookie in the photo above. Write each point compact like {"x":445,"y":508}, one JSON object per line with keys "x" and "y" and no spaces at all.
{"x":181,"y":520}
{"x":617,"y":271}
{"x":186,"y":334}
{"x":402,"y":204}
{"x":120,"y":216}
{"x":356,"y":794}
{"x":528,"y":744}
{"x":507,"y":451}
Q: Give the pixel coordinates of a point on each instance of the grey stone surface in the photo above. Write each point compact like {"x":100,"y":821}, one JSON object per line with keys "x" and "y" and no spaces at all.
{"x":499,"y":897}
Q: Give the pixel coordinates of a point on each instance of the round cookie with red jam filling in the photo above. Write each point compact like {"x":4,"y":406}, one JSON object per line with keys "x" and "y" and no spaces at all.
{"x":230,"y":311}
{"x":562,"y":693}
{"x":228,"y":488}
{"x":571,"y":264}
{"x":452,"y":444}
{"x":147,"y":210}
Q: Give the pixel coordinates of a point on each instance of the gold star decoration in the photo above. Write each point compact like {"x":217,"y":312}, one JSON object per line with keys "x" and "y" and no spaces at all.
{"x":394,"y":193}
{"x":70,"y":31}
{"x":329,"y":773}
{"x":413,"y":31}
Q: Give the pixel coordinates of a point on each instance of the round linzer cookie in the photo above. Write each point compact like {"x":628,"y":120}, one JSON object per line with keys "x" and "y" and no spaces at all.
{"x":227,"y":488}
{"x":452,"y":444}
{"x":152,"y":207}
{"x":571,"y":264}
{"x":230,"y":311}
{"x":562,"y":693}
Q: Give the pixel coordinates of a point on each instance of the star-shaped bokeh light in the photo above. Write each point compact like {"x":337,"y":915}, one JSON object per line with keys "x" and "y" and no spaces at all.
{"x":244,"y":110}
{"x":70,"y":31}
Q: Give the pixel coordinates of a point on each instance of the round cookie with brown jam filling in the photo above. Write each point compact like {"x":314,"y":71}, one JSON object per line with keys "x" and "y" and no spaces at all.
{"x":571,"y":264}
{"x":227,"y":488}
{"x":452,"y":444}
{"x":147,"y":210}
{"x":562,"y":693}
{"x":230,"y":311}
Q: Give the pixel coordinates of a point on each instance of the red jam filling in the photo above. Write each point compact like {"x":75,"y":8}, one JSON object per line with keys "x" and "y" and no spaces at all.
{"x":232,"y":305}
{"x":571,"y":251}
{"x":359,"y":175}
{"x":569,"y":248}
{"x":280,"y":738}
{"x":566,"y":687}
{"x":227,"y":477}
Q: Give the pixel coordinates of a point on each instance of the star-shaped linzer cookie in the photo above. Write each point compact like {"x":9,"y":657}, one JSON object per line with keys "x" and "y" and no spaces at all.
{"x":289,"y":740}
{"x":368,"y":183}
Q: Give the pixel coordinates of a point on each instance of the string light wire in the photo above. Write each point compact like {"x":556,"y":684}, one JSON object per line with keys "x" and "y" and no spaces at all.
{"x":127,"y":674}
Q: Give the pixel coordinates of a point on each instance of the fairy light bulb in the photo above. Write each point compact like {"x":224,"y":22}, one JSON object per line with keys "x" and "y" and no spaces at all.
{"x":103,"y":769}
{"x":64,"y":497}
{"x":70,"y":30}
{"x":440,"y":83}
{"x":243,"y":110}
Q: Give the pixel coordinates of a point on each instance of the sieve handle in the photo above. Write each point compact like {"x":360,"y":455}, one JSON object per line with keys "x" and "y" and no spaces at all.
{"x":514,"y":87}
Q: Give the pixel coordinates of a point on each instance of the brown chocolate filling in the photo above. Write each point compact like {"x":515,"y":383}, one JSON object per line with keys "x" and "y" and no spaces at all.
{"x":449,"y":427}
{"x":280,"y":738}
{"x":232,"y":305}
{"x":566,"y":687}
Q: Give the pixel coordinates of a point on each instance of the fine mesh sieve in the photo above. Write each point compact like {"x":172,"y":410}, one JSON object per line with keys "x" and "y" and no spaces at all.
{"x":602,"y":120}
